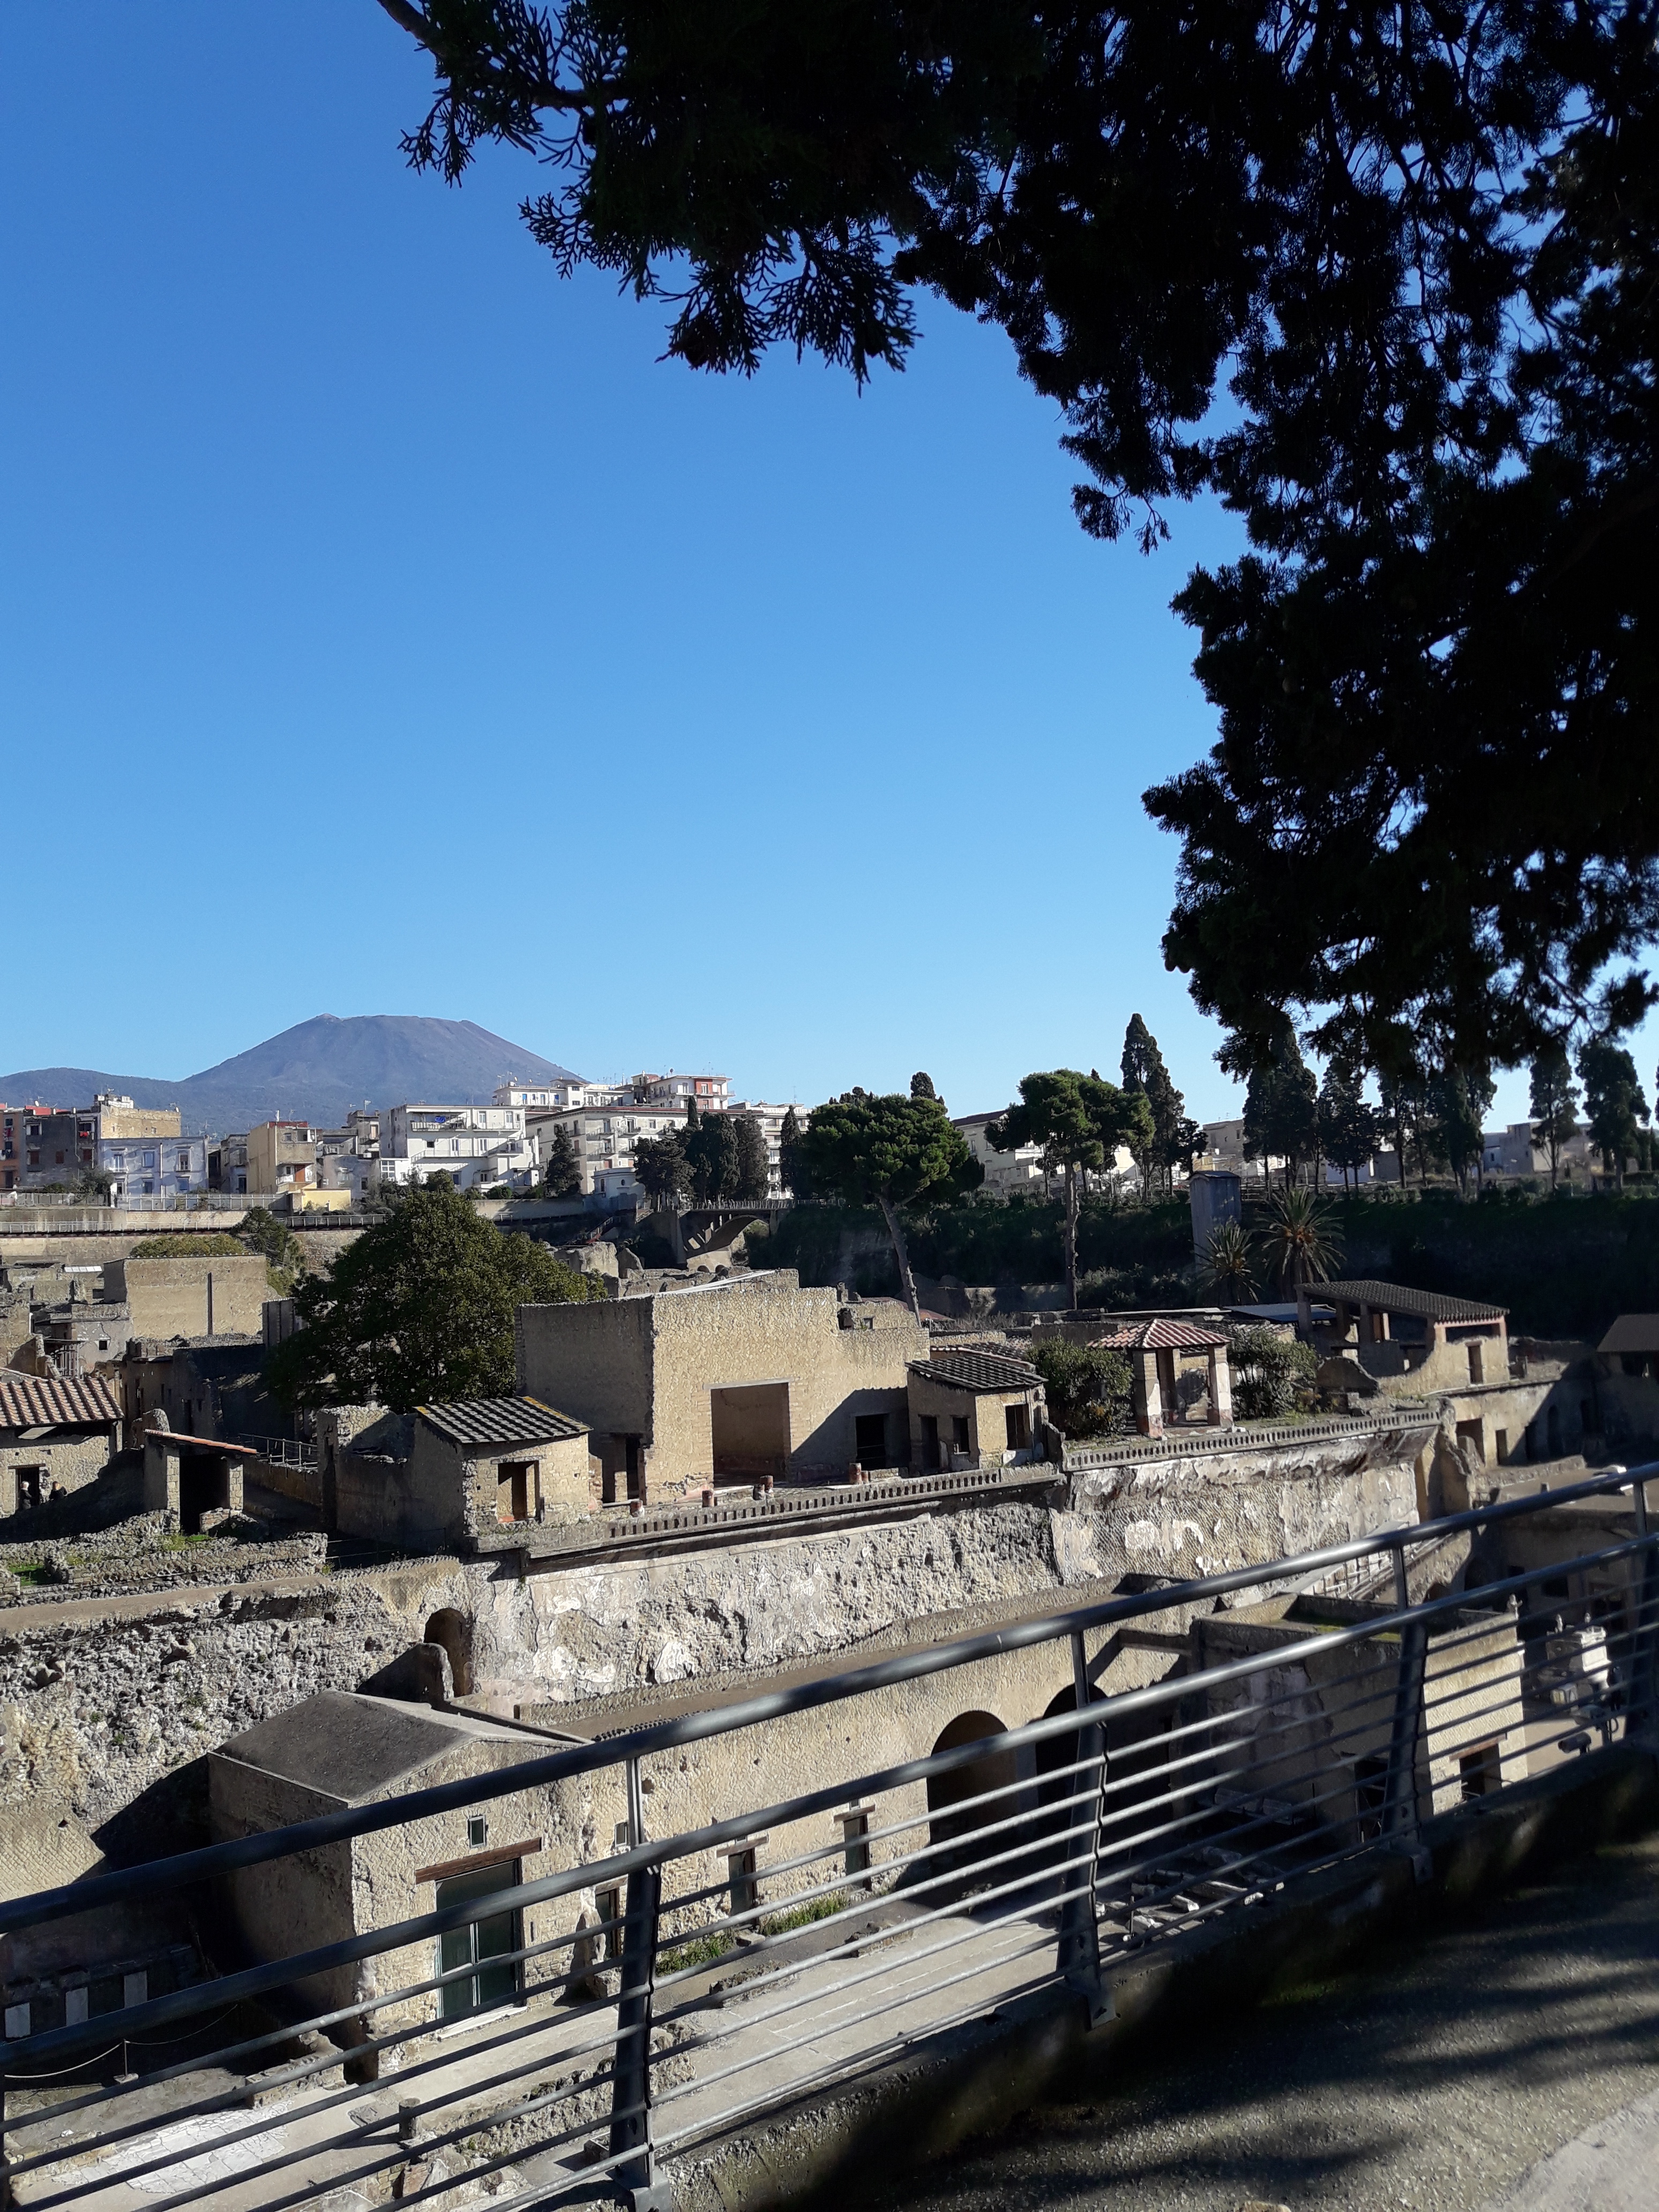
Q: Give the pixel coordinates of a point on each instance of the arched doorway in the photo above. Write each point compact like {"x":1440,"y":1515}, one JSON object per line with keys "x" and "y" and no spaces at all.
{"x":449,"y":1629}
{"x":954,"y":1820}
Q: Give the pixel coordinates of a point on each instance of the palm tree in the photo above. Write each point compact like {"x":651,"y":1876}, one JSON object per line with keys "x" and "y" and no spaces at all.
{"x":1228,"y":1266}
{"x":1299,"y":1241}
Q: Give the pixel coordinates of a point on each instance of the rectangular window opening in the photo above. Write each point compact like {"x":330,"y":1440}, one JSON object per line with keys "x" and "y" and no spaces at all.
{"x":1479,"y":1770}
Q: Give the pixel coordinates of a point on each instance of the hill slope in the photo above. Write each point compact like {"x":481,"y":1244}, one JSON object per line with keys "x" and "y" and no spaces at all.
{"x":316,"y":1071}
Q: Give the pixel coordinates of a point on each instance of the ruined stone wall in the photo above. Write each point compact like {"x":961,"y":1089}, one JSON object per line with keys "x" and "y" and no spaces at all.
{"x":766,"y":1330}
{"x":110,"y":1704}
{"x":107,"y":1706}
{"x":169,"y":1298}
{"x":72,"y":1459}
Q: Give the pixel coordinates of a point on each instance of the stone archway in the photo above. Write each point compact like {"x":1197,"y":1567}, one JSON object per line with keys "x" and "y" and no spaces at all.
{"x":954,"y":1822}
{"x":453,"y":1633}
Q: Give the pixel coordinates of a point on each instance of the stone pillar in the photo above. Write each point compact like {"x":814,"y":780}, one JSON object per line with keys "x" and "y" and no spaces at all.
{"x":230,"y":1487}
{"x":1221,"y":1388}
{"x":1149,"y":1398}
{"x":161,"y":1475}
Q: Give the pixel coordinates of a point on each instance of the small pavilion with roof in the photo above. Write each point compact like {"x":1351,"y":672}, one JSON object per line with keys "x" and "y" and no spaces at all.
{"x":1158,"y":1350}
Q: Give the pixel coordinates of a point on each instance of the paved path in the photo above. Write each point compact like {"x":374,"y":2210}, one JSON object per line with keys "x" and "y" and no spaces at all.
{"x":1446,"y":2074}
{"x":1613,"y":2166}
{"x":803,"y":2016}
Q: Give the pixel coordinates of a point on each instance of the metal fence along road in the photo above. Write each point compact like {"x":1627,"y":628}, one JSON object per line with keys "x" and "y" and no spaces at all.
{"x":578,"y":2031}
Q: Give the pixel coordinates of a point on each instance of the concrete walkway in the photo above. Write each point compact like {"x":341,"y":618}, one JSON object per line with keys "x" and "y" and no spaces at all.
{"x":1613,"y":2166}
{"x":800,"y":2017}
{"x":1511,"y":2062}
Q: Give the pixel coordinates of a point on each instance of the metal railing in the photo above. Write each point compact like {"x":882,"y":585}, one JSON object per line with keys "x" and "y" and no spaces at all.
{"x":282,"y":1451}
{"x":1189,"y":1763}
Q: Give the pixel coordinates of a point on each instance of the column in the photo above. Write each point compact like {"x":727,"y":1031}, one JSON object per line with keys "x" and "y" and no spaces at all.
{"x":1221,"y":1388}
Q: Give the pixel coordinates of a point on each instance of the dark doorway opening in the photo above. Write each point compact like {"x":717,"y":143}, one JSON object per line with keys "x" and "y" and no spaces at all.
{"x":201,"y":1487}
{"x":955,"y":1825}
{"x":480,"y":1944}
{"x":31,"y":1486}
{"x":448,"y":1630}
{"x":515,"y":1490}
{"x":870,"y":1439}
{"x":749,"y":1430}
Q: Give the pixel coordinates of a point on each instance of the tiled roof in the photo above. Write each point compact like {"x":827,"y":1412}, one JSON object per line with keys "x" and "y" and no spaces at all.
{"x":1633,"y":1333}
{"x":491,"y":1421}
{"x":977,"y":1371}
{"x":1161,"y":1336}
{"x":1394,"y":1298}
{"x":38,"y":1401}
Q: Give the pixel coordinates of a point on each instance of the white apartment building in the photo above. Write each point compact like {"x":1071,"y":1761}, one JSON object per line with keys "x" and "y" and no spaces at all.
{"x":712,"y":1092}
{"x":1004,"y":1172}
{"x":604,"y":1133}
{"x":556,"y":1097}
{"x":770,"y":1118}
{"x":483,"y":1145}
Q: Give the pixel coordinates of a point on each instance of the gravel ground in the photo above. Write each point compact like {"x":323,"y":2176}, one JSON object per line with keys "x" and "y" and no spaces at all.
{"x":1433,"y":2074}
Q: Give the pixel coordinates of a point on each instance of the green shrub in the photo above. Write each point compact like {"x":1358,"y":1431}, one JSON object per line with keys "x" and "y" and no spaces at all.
{"x":1273,"y":1376}
{"x":214,"y":1245}
{"x":1089,"y":1389}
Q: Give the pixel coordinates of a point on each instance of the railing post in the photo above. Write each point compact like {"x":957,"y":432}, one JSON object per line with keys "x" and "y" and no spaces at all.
{"x":1644,"y":1709}
{"x":636,"y":2174}
{"x":1079,"y":1929}
{"x":1400,"y":1806}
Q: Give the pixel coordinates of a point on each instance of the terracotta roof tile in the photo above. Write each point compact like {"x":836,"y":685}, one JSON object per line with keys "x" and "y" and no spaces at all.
{"x":1161,"y":1336}
{"x":40,"y":1402}
{"x":1397,"y":1297}
{"x":491,"y":1421}
{"x":977,"y":1371}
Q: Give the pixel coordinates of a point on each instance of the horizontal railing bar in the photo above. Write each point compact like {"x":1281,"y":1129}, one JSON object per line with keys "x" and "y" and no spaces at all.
{"x":278,"y":1973}
{"x":713,"y":2122}
{"x":855,"y":1946}
{"x":951,"y":1876}
{"x":953,"y":1811}
{"x":874,"y":1973}
{"x":372,"y":2046}
{"x":641,"y":1743}
{"x":359,"y":2009}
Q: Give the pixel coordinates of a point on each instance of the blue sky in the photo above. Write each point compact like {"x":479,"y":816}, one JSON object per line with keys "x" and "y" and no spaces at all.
{"x":384,"y":628}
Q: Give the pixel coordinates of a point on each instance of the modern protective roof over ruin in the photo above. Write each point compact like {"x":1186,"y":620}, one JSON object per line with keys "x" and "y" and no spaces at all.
{"x":489,"y":1421}
{"x":1394,"y":1298}
{"x":1633,"y":1333}
{"x":349,"y":1746}
{"x":977,"y":1371}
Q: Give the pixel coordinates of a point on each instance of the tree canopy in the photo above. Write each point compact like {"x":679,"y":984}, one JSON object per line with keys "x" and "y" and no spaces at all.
{"x":1553,"y":1100}
{"x":1383,"y":279}
{"x":1281,"y":1105}
{"x":888,"y":1152}
{"x":1171,"y":1138}
{"x":660,"y":1167}
{"x":562,"y":1171}
{"x":1615,"y":1110}
{"x":419,"y":1309}
{"x":1079,"y":1120}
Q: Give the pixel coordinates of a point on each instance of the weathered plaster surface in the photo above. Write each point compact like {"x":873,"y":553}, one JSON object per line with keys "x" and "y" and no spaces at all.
{"x":101,"y":1699}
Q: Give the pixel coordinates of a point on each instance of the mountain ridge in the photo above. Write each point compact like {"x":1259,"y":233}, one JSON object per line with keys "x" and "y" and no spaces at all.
{"x":316,"y":1071}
